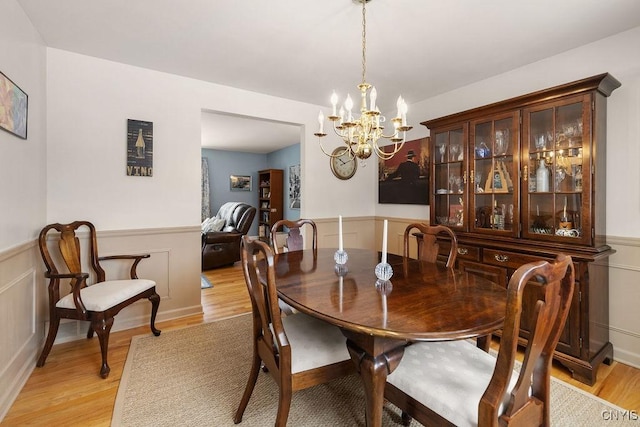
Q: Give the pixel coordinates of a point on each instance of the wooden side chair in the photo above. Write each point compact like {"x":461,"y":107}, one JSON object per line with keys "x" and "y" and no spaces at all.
{"x":456,"y":383}
{"x":97,"y":303}
{"x":294,"y":241}
{"x":428,"y":246}
{"x":298,"y":351}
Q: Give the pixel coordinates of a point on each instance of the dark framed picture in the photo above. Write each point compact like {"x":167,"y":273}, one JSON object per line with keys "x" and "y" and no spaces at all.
{"x":404,"y":179}
{"x":240,"y":182}
{"x":139,"y":148}
{"x":14,"y":106}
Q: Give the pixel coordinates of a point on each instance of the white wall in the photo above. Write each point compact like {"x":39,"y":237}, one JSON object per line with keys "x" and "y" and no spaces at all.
{"x":23,"y":201}
{"x":22,"y":162}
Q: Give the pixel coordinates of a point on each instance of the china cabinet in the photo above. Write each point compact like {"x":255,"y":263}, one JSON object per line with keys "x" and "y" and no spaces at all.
{"x":270,"y":199}
{"x":522,"y":180}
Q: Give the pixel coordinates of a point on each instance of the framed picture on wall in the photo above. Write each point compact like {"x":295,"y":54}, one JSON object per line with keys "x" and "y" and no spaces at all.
{"x":13,"y":107}
{"x":294,"y":187}
{"x":404,"y":179}
{"x":139,"y":148}
{"x":240,"y":182}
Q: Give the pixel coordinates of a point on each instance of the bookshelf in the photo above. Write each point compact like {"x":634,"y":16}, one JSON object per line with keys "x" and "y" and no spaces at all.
{"x":270,"y":202}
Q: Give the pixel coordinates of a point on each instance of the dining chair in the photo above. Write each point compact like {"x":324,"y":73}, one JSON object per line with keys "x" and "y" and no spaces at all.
{"x":428,"y":246}
{"x":456,"y":383}
{"x":97,"y":303}
{"x":294,"y":240}
{"x":297,"y":351}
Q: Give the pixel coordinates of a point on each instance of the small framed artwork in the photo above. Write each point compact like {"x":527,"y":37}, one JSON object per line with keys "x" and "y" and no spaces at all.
{"x":240,"y":182}
{"x":139,"y":148}
{"x":294,"y":187}
{"x":14,"y":104}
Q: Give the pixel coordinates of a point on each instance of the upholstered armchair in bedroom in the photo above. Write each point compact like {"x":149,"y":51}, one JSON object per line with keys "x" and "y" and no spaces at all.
{"x":221,"y":235}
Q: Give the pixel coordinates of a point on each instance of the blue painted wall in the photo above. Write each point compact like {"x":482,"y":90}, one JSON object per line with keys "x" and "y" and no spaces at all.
{"x":222,"y":164}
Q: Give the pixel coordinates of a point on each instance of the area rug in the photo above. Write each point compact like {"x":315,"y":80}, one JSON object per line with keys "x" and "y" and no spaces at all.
{"x":205,"y":283}
{"x":196,"y":376}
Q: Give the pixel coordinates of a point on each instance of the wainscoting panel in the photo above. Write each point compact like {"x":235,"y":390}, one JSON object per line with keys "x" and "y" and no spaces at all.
{"x":624,"y":299}
{"x":357,"y":232}
{"x":174,"y":265}
{"x":21,"y":329}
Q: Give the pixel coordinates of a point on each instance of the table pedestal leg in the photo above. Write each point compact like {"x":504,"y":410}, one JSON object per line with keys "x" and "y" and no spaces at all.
{"x":374,"y":364}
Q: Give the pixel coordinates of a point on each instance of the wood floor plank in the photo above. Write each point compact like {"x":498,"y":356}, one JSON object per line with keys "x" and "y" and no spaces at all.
{"x":69,"y":391}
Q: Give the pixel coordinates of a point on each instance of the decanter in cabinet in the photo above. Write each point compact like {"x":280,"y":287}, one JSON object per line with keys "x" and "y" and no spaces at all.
{"x":523,"y":180}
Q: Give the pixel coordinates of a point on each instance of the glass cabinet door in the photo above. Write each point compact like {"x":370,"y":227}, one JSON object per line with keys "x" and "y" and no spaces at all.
{"x":449,"y":177}
{"x":493,"y":175}
{"x":556,"y":174}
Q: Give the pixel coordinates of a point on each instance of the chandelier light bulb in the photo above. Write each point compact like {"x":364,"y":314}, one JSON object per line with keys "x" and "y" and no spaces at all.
{"x":334,"y":101}
{"x":348,"y":104}
{"x":321,"y":121}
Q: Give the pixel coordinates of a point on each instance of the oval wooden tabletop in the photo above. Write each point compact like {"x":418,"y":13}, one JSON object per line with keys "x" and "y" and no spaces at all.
{"x":424,"y":303}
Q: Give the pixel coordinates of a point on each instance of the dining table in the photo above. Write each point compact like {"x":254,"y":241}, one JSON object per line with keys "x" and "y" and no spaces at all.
{"x":421,"y":302}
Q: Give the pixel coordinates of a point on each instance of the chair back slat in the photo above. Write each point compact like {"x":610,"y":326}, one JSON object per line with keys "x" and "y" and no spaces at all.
{"x":69,"y":246}
{"x":549,"y":316}
{"x":294,"y":240}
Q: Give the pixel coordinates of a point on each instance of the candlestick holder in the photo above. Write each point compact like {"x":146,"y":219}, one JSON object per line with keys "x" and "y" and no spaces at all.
{"x":384,"y":271}
{"x":384,"y":287}
{"x":340,"y":257}
{"x":341,"y":270}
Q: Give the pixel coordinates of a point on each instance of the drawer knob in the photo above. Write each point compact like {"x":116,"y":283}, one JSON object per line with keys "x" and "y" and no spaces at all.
{"x":501,"y":257}
{"x":463,"y":251}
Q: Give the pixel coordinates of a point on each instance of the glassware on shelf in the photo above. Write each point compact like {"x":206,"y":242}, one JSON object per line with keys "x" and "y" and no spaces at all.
{"x":453,"y":153}
{"x":560,"y":175}
{"x":577,"y":179}
{"x":498,"y":216}
{"x":502,"y":142}
{"x":482,"y":151}
{"x":542,"y":177}
{"x":442,"y":150}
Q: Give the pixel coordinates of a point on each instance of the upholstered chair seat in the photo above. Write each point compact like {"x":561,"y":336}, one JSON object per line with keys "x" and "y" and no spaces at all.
{"x":449,"y":377}
{"x":103,"y":295}
{"x":314,"y":343}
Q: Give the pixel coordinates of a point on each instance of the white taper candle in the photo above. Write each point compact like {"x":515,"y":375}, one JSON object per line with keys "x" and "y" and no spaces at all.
{"x":384,"y":242}
{"x":339,"y":232}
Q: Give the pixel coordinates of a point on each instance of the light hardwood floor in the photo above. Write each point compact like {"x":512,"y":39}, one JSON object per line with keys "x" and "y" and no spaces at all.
{"x":68,"y":389}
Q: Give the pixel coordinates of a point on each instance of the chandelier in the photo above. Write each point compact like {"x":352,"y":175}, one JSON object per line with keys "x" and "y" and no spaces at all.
{"x":362,"y":135}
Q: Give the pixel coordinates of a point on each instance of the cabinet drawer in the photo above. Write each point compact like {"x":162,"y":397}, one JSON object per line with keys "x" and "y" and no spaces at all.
{"x":506,"y":258}
{"x":471,"y":253}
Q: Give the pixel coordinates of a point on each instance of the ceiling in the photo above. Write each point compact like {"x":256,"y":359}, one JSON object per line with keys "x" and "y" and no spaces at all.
{"x":304,"y":49}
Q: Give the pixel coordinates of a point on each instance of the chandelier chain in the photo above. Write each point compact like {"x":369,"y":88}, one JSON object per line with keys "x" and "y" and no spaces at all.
{"x":364,"y":41}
